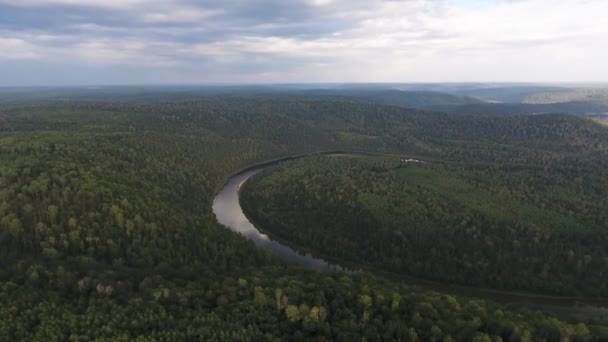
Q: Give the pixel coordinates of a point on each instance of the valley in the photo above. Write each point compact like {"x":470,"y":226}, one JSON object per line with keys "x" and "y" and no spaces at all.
{"x":107,"y":227}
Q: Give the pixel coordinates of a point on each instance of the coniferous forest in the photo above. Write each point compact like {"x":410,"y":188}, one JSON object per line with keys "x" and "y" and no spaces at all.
{"x":107,"y":232}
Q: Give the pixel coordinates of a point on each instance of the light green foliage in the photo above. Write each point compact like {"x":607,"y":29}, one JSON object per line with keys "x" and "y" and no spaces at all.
{"x":259,"y":298}
{"x":293,"y":313}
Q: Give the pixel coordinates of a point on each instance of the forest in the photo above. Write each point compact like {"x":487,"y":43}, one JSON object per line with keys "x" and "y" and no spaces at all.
{"x":107,"y":233}
{"x":539,"y":228}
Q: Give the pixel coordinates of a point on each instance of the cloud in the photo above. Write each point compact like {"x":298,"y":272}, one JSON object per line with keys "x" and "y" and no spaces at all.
{"x":311,"y":40}
{"x":16,"y":49}
{"x":179,"y":15}
{"x":117,"y":4}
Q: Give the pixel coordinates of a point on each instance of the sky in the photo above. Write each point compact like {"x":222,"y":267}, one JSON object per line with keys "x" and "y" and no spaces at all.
{"x":122,"y":42}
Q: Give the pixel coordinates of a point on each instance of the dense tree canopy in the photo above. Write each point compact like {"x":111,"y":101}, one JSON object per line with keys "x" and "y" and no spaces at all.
{"x":106,"y":229}
{"x":537,"y":228}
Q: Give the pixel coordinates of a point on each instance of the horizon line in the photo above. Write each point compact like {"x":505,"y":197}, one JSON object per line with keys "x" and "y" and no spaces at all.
{"x":264,"y":84}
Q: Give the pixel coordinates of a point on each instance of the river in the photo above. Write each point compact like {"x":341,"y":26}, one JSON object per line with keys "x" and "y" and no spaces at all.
{"x":229,"y":213}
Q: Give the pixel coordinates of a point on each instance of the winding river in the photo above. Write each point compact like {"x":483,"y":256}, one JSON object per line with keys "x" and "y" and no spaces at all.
{"x":229,"y":213}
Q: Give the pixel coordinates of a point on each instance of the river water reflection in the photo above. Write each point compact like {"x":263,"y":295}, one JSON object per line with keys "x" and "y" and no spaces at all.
{"x":228,"y":211}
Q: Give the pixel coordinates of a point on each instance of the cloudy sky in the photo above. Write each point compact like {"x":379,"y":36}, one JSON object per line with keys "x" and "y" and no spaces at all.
{"x":69,"y":42}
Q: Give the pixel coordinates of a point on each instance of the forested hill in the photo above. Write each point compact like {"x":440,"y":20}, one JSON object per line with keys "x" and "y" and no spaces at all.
{"x":598,"y":95}
{"x":557,"y":130}
{"x":502,"y":109}
{"x":287,"y":118}
{"x":399,"y":98}
{"x":486,"y":101}
{"x":106,"y":229}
